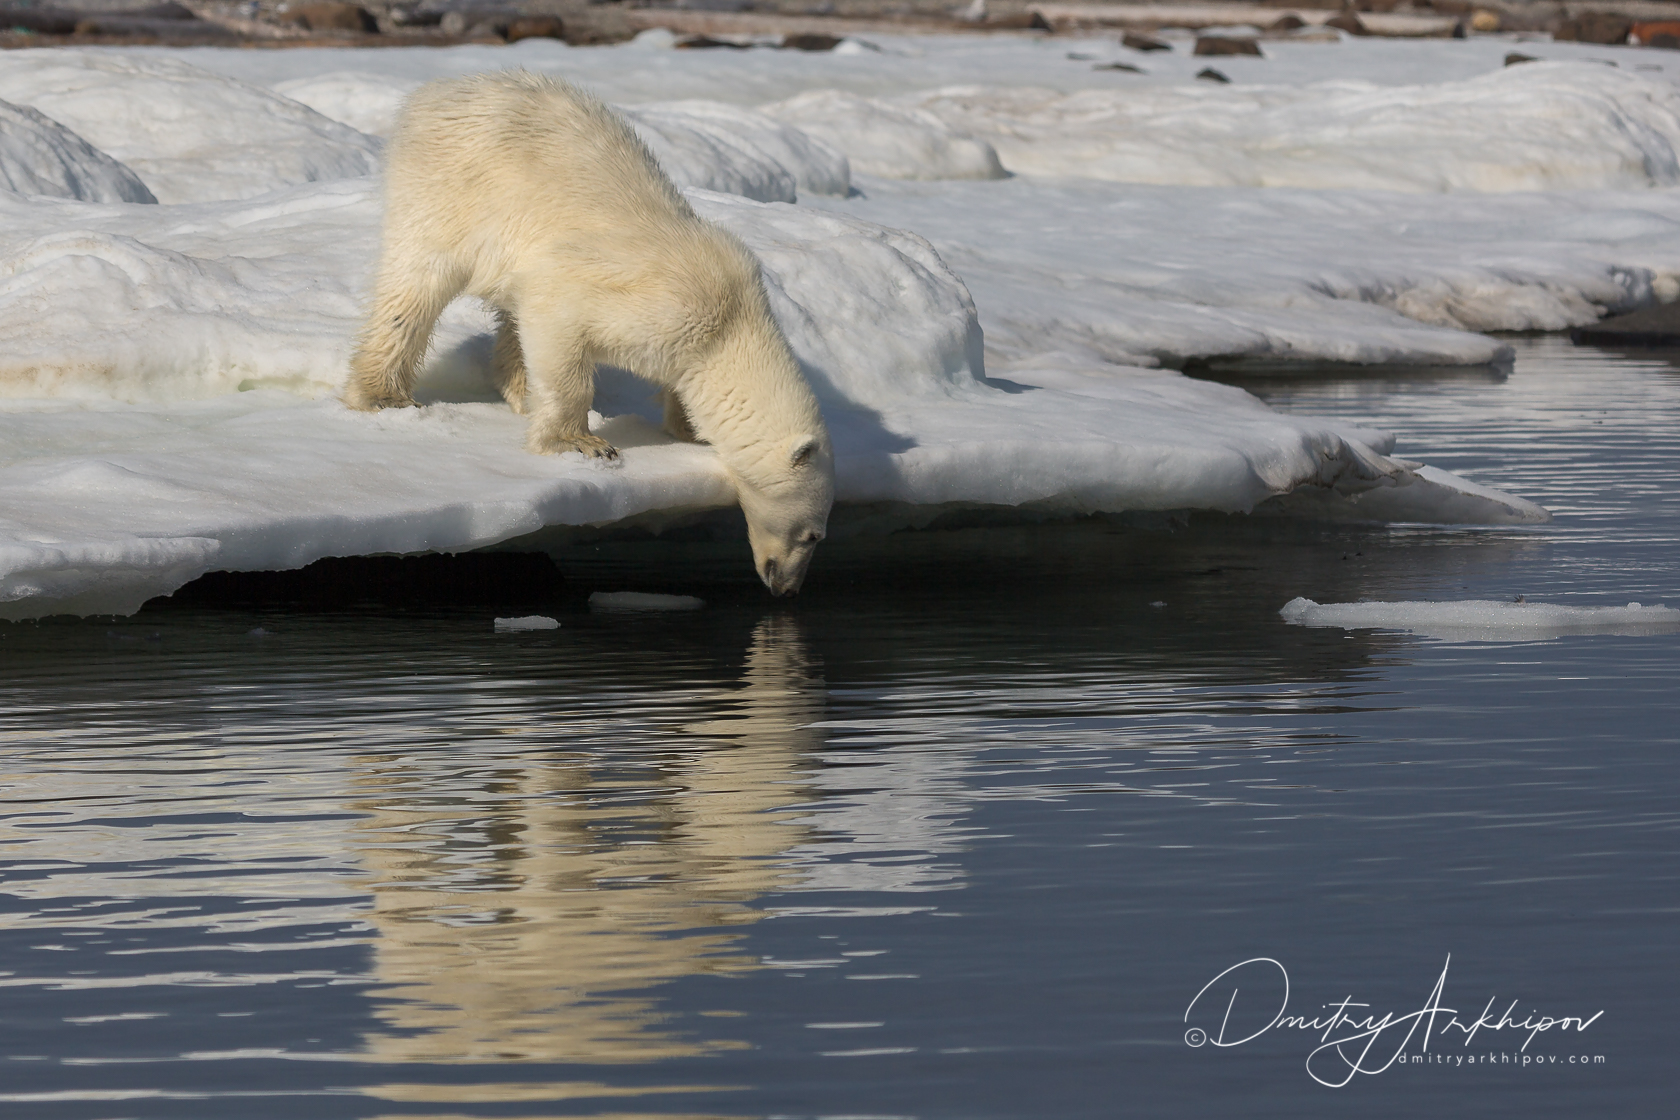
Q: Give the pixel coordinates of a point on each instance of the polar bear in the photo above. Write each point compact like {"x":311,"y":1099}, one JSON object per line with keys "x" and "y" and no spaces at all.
{"x":538,"y":199}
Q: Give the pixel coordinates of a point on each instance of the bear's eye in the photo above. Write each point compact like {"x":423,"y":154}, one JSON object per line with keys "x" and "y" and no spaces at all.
{"x":813,"y":537}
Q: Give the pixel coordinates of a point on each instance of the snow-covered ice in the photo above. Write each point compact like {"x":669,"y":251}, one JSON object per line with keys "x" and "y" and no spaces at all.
{"x":168,"y":372}
{"x":106,"y":504}
{"x":1486,"y":619}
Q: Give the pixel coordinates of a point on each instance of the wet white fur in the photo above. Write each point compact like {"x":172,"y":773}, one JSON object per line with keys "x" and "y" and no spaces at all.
{"x":536,"y":198}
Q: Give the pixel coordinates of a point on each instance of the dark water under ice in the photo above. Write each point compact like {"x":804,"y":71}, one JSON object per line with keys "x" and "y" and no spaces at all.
{"x":963,"y":832}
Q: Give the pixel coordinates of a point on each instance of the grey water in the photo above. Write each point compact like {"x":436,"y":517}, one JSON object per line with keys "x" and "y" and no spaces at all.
{"x":986,"y":823}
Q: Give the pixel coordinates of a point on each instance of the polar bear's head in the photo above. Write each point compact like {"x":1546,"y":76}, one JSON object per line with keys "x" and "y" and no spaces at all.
{"x":786,"y":501}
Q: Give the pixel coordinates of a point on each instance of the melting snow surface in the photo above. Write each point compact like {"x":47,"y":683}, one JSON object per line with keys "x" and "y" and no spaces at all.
{"x":1485,"y":619}
{"x":168,"y":373}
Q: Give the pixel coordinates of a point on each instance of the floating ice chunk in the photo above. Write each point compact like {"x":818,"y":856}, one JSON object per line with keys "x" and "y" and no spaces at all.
{"x":889,"y":140}
{"x":189,"y":134}
{"x":642,"y":601}
{"x":719,"y":147}
{"x":366,"y":102}
{"x":1541,"y":126}
{"x":40,"y":156}
{"x":526,"y":622}
{"x":1485,"y":619}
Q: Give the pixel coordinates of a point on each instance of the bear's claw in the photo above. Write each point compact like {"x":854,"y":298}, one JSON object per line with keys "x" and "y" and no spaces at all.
{"x":374,"y":404}
{"x":590,"y":447}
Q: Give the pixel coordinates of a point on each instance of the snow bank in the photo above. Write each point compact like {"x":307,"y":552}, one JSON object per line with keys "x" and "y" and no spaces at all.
{"x":704,"y":144}
{"x":41,"y":156}
{"x":161,"y":303}
{"x":191,"y":135}
{"x":1540,"y":126}
{"x":1137,"y":274}
{"x":1484,"y":619}
{"x":155,"y":303}
{"x":889,"y":140}
{"x":718,"y":147}
{"x":366,"y":102}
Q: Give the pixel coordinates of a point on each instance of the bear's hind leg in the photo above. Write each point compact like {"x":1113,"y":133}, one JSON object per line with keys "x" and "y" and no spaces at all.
{"x":562,"y":383}
{"x":398,"y":329}
{"x":507,"y":361}
{"x":676,"y":418}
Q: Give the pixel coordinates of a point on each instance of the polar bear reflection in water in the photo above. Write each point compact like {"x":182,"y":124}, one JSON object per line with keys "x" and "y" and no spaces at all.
{"x":541,"y":201}
{"x":507,"y":911}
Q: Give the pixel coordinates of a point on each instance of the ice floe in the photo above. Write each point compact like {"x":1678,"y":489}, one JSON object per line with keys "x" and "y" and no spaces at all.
{"x":1486,"y":619}
{"x":168,"y":373}
{"x":526,"y":623}
{"x":103,"y":505}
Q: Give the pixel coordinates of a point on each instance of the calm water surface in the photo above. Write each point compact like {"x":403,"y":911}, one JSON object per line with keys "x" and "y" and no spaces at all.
{"x":963,"y":832}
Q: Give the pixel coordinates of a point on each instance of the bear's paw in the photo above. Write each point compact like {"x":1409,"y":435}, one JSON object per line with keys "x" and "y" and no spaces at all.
{"x":590,"y":447}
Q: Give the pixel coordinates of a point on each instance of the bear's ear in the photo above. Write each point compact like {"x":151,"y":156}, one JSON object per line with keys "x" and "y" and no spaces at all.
{"x":803,"y":448}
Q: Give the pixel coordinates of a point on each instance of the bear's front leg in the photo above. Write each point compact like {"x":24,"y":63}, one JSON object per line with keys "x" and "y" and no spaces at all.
{"x":562,"y":382}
